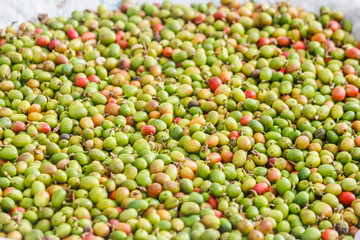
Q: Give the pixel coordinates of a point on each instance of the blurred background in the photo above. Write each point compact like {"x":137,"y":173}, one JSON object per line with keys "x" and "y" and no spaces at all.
{"x":21,"y":10}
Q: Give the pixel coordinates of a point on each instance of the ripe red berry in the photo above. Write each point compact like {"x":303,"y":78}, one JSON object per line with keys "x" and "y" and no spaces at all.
{"x":346,"y":198}
{"x":214,"y":83}
{"x":250,"y":94}
{"x":82,"y":82}
{"x":338,"y":94}
{"x":72,"y":33}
